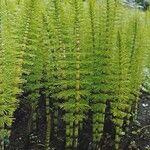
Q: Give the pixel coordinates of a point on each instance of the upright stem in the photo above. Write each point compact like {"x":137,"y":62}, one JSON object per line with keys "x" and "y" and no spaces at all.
{"x":48,"y":124}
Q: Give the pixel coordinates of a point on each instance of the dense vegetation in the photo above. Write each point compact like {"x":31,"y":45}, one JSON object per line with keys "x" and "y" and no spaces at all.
{"x":83,"y":60}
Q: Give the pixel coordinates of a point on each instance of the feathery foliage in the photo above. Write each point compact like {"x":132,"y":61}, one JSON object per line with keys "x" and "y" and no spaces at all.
{"x":82,"y":56}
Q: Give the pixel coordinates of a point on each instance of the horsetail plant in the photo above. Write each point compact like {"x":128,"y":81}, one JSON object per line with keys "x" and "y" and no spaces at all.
{"x":78,"y":59}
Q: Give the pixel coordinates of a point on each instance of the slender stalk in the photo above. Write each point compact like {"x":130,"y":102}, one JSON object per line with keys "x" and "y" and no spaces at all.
{"x":48,"y":124}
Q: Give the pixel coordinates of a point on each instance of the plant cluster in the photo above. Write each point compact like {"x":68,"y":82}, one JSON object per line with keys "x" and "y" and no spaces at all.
{"x":82,"y":56}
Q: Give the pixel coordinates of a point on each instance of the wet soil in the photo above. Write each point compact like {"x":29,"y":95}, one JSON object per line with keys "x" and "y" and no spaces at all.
{"x":137,"y":138}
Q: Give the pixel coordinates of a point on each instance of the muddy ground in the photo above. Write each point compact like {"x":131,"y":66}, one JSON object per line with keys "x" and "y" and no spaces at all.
{"x":138,"y":137}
